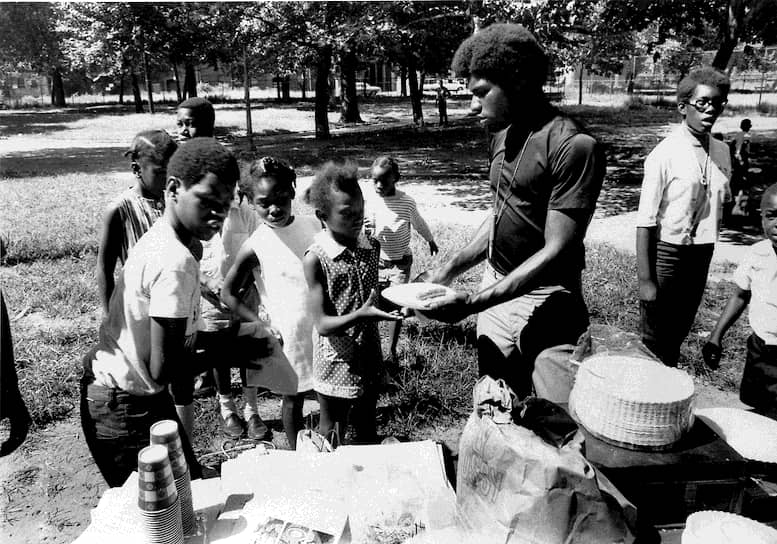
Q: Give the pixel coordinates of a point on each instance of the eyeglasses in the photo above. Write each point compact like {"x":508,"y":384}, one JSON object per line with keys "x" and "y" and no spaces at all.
{"x":702,"y":104}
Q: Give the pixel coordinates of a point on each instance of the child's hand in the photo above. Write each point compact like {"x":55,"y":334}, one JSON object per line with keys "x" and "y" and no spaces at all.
{"x":433,"y":250}
{"x":711,"y":354}
{"x":372,"y":312}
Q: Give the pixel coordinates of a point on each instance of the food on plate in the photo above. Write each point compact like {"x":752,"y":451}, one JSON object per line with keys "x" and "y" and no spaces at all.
{"x":432,"y":292}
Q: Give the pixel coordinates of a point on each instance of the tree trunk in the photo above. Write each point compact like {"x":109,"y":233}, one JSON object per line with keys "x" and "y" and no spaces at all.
{"x":285,"y":90}
{"x":304,"y":83}
{"x":349,"y":103}
{"x":731,"y":30}
{"x":189,"y":82}
{"x":57,"y":88}
{"x":177,"y":83}
{"x":415,"y":94}
{"x":121,"y":87}
{"x":247,"y":87}
{"x":149,"y":89}
{"x":136,"y":93}
{"x":323,"y":66}
{"x":580,"y":85}
{"x":403,"y":81}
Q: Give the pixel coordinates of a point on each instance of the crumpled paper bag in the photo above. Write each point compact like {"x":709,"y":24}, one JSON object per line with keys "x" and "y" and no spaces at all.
{"x":514,"y":487}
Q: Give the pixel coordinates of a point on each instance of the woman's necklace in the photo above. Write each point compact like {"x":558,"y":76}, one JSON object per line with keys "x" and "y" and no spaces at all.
{"x":498,"y":210}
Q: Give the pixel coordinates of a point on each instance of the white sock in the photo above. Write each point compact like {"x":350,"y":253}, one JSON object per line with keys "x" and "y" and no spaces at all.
{"x":251,"y":408}
{"x":227,"y":405}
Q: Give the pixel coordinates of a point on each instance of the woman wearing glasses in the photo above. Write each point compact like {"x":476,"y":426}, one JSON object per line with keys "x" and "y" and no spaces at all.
{"x":685,"y":184}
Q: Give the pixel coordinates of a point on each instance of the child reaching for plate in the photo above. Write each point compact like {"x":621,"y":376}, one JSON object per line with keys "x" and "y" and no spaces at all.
{"x":273,"y":254}
{"x":341,"y":269}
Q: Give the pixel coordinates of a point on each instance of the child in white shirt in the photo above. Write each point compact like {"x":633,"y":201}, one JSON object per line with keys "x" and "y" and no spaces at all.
{"x":146,"y":337}
{"x":756,"y":285}
{"x":388,"y":215}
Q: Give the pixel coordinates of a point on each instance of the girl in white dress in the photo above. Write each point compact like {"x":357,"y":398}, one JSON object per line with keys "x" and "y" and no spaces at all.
{"x":273,"y":255}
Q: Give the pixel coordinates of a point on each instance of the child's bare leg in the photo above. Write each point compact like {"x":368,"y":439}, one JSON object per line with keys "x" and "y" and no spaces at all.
{"x":394,"y":328}
{"x":256,"y":428}
{"x":364,"y":416}
{"x":291,"y":415}
{"x":334,"y":411}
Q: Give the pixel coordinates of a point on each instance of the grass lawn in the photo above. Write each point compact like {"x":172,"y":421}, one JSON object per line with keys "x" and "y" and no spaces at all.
{"x":60,"y":169}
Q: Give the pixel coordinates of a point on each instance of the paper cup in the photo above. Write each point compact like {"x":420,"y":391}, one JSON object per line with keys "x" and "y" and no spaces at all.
{"x":156,"y":485}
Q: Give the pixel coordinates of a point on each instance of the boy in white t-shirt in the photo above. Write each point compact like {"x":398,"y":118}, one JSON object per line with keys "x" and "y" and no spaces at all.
{"x":756,"y":285}
{"x":146,"y":337}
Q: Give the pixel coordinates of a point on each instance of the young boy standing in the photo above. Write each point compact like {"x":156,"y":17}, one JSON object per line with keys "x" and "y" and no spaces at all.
{"x":756,"y":285}
{"x":388,"y":215}
{"x":146,"y":337}
{"x":685,"y":184}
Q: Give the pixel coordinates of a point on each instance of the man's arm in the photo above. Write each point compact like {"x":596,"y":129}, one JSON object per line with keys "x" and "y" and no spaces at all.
{"x":646,"y":259}
{"x":564,"y":229}
{"x":466,"y":258}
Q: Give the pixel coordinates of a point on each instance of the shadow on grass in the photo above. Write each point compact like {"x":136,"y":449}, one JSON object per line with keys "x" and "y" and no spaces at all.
{"x":62,"y":161}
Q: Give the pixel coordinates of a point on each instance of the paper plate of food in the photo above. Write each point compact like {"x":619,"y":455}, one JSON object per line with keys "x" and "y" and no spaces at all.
{"x":417,"y":296}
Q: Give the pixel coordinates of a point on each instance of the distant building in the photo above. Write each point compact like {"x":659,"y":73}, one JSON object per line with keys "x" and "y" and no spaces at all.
{"x":15,"y":87}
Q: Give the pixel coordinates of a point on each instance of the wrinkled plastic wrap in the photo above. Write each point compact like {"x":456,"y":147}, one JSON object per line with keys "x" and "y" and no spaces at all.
{"x":514,"y":487}
{"x":608,"y":340}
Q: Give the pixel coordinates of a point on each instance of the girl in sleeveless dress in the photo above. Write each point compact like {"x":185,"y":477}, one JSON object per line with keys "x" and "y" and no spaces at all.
{"x":341,"y":269}
{"x":272,"y":258}
{"x":136,"y":209}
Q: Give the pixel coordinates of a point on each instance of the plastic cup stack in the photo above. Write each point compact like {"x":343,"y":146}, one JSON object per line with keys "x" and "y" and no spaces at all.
{"x":158,"y":498}
{"x":165,"y":433}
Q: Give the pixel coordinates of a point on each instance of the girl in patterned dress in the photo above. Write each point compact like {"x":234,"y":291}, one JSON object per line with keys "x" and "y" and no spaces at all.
{"x":272,"y":258}
{"x":341,"y":269}
{"x":136,"y":209}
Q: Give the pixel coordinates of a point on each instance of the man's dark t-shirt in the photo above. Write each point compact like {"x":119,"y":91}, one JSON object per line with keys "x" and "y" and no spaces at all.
{"x":562,"y":168}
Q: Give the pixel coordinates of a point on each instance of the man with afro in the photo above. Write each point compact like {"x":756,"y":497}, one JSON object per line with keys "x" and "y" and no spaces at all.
{"x":545,"y":175}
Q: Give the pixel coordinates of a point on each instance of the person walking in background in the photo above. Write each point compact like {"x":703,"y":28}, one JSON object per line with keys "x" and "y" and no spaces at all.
{"x":129,"y":216}
{"x":685,"y":184}
{"x":272,"y":259}
{"x":756,"y":285}
{"x":442,"y":102}
{"x":11,"y":402}
{"x":341,"y":270}
{"x":388,"y":215}
{"x":545,"y":174}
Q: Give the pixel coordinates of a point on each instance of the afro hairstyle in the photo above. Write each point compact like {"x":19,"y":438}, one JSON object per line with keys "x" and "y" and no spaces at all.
{"x":332,"y":177}
{"x":268,"y":167}
{"x":390,"y":163}
{"x":505,"y":54}
{"x":769,"y":193}
{"x":200,"y":156}
{"x":705,"y":75}
{"x":746,"y":124}
{"x":202,"y":112}
{"x":156,"y":146}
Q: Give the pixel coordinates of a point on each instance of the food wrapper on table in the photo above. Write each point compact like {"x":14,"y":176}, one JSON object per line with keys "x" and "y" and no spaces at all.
{"x":383,"y":491}
{"x":514,"y":487}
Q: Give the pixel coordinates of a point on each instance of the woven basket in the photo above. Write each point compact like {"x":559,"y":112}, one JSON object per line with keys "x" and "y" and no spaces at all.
{"x":632,"y":401}
{"x":713,"y":527}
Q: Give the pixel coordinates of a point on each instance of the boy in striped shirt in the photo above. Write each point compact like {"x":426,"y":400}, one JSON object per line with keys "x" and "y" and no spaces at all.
{"x":388,"y":216}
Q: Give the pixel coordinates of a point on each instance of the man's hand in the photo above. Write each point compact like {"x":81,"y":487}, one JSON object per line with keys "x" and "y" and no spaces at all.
{"x":370,"y":311}
{"x":433,"y":249}
{"x":450,"y":308}
{"x":647,"y":290}
{"x":711,"y":353}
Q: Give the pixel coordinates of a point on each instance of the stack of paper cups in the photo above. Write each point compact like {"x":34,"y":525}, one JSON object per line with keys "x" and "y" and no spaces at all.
{"x":165,"y":433}
{"x":158,"y":498}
